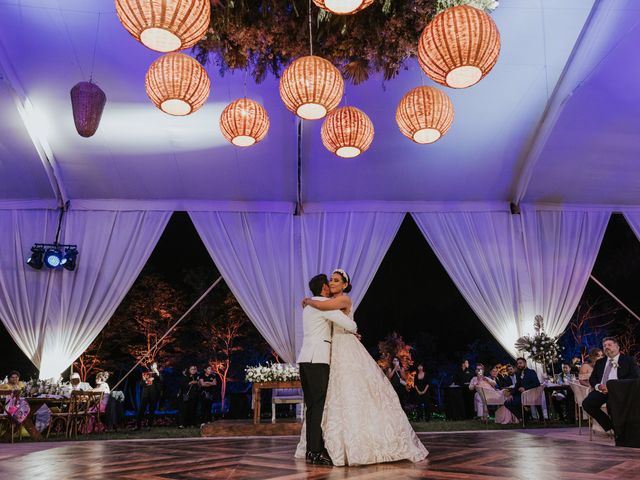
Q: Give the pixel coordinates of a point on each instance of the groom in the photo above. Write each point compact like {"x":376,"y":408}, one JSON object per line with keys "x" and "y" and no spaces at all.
{"x":314,"y":359}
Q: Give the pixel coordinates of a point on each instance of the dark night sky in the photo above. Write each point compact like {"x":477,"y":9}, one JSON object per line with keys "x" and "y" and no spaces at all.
{"x":411,"y":293}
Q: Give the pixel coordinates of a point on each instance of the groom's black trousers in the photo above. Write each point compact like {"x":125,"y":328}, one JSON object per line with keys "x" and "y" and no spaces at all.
{"x":314,"y":378}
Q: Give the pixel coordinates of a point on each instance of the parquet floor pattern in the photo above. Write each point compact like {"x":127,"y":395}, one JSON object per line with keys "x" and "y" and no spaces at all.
{"x":490,"y":455}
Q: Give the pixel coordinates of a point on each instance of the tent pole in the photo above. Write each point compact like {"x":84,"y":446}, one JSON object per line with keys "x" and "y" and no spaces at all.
{"x":614,"y":297}
{"x":173,"y":327}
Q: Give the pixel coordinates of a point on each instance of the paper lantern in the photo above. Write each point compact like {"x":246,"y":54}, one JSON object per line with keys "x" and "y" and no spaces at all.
{"x":177,"y":84}
{"x":424,"y":114}
{"x":311,"y":87}
{"x":343,"y":7}
{"x":87,"y":103}
{"x":244,"y":122}
{"x":347,"y":132}
{"x":165,"y":25}
{"x":459,"y":46}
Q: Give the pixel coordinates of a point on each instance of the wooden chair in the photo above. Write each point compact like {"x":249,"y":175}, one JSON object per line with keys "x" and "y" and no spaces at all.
{"x":83,"y":407}
{"x":580,"y":392}
{"x":60,"y":419}
{"x":490,"y":397}
{"x":289,"y":396}
{"x":534,"y":397}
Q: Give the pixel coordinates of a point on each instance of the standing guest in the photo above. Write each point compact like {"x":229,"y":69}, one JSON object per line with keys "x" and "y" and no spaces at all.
{"x":586,"y":369}
{"x":207,"y":383}
{"x":463,"y":377}
{"x":151,"y":389}
{"x":77,"y":384}
{"x":526,"y":379}
{"x":398,"y":378}
{"x":564,"y":401}
{"x":613,"y":366}
{"x":421,"y":386}
{"x":188,"y":397}
{"x":480,"y":381}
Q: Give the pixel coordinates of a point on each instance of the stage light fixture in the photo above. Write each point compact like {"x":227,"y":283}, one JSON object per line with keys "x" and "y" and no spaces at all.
{"x":53,"y":258}
{"x":35,"y":259}
{"x":69,"y":259}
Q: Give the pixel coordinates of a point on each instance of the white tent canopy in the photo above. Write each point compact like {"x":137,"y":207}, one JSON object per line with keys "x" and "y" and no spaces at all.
{"x":553,"y":126}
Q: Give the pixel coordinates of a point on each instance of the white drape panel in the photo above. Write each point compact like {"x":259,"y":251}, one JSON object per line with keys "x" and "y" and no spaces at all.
{"x":633,"y":219}
{"x":255,"y":254}
{"x":55,"y":315}
{"x":354,"y":241}
{"x":478,"y":252}
{"x":560,"y":248}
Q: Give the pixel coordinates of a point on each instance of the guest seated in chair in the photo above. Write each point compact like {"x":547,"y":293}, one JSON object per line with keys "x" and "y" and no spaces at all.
{"x":613,"y":366}
{"x":480,"y":381}
{"x":13,"y":382}
{"x":564,"y":401}
{"x":77,"y":384}
{"x":586,"y":368}
{"x":508,"y":380}
{"x":526,"y":379}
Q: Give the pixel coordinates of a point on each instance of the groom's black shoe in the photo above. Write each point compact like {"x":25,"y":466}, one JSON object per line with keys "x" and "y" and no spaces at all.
{"x":309,"y":457}
{"x":322,"y":459}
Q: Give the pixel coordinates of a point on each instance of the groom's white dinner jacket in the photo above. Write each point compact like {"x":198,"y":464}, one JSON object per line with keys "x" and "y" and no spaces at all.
{"x":316,"y":344}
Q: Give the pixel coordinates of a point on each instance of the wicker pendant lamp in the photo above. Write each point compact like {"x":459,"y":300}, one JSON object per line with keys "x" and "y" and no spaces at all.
{"x":87,"y":103}
{"x":347,"y":132}
{"x":165,"y":25}
{"x":343,"y":7}
{"x":424,"y":114}
{"x":311,"y":87}
{"x":177,"y":84}
{"x":459,"y":46}
{"x":244,"y":122}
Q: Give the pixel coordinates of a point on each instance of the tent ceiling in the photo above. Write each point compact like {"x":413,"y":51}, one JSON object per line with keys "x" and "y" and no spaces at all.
{"x":140,"y":153}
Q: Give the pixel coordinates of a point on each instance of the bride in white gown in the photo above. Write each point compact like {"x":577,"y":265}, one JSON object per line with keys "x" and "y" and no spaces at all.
{"x":363,"y":422}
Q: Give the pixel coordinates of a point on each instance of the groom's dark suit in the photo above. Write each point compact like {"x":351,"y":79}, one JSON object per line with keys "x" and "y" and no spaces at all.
{"x":627,"y":368}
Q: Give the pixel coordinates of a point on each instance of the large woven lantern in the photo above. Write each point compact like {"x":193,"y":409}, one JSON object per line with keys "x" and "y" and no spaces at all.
{"x":311,"y":87}
{"x":177,"y":84}
{"x":459,"y":46}
{"x":165,"y":25}
{"x":424,"y":114}
{"x":343,"y":7}
{"x":87,"y":103}
{"x":244,"y":122}
{"x":347,"y":132}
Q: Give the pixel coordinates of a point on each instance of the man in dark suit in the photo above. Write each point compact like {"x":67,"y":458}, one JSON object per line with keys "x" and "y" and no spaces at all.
{"x":508,"y":380}
{"x":612,"y":367}
{"x":526,"y":379}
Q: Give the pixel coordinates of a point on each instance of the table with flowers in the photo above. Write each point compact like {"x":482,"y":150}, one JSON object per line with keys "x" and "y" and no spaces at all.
{"x":272,"y":376}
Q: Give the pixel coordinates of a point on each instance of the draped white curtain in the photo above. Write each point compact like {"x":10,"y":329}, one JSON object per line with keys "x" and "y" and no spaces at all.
{"x":53,"y":316}
{"x":354,"y":241}
{"x":477,"y":250}
{"x":633,"y":219}
{"x":511,"y":268}
{"x":560,"y":249}
{"x":255,"y":254}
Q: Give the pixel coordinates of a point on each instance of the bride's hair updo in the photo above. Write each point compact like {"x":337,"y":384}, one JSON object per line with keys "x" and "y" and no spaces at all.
{"x":345,"y":278}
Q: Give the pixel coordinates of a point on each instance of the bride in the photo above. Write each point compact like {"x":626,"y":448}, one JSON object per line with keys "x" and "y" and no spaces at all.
{"x":363,"y":422}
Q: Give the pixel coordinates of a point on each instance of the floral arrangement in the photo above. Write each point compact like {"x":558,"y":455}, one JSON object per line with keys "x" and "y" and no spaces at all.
{"x":275,"y":372}
{"x":35,"y":387}
{"x":263,"y":36}
{"x":541,"y":348}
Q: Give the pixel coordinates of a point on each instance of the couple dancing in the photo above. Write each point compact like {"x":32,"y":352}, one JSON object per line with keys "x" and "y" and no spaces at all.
{"x":353,"y":414}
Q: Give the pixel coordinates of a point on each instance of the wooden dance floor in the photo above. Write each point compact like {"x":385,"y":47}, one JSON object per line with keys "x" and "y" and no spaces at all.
{"x":485,"y":455}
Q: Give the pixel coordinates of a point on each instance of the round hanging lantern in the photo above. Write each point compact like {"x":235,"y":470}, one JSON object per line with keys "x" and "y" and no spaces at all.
{"x":459,"y":46}
{"x":343,"y":7}
{"x":311,"y":87}
{"x":244,"y":122}
{"x":177,"y":84}
{"x":347,"y":132}
{"x":424,"y":114}
{"x":165,"y":25}
{"x":87,"y":103}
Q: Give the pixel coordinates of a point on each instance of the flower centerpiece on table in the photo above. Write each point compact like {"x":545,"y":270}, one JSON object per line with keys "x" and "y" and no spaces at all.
{"x":540,"y":348}
{"x":274,"y":372}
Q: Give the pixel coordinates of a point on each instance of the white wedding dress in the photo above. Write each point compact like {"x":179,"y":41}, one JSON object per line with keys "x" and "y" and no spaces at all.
{"x":363,"y":422}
